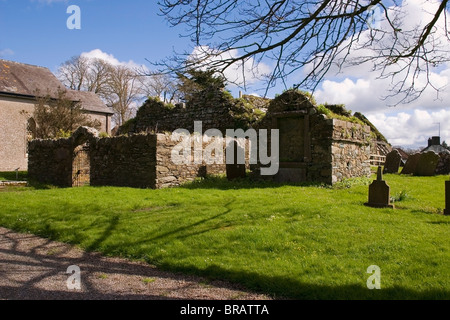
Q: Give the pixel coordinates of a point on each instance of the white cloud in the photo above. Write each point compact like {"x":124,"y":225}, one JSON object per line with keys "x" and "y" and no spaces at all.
{"x":361,"y":89}
{"x":6,"y":52}
{"x":239,"y":74}
{"x":412,"y":129}
{"x":99,"y":54}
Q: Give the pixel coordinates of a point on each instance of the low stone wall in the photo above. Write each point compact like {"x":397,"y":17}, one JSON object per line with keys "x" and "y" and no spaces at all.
{"x":139,"y":161}
{"x":124,"y":161}
{"x":169,"y":174}
{"x":50,"y":162}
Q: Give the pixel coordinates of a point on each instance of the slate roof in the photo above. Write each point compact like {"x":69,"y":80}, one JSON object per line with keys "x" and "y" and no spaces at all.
{"x":436,"y":148}
{"x":26,"y":80}
{"x":89,"y":101}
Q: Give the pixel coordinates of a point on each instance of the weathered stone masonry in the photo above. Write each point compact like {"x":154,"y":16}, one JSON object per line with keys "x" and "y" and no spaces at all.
{"x":140,"y":161}
{"x":313,"y":147}
{"x":124,"y":161}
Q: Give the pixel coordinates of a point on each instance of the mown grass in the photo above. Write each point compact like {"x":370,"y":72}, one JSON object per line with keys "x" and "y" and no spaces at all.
{"x":302,"y":242}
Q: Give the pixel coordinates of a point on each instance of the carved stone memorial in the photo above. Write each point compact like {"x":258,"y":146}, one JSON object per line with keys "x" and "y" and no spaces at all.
{"x":392,"y":163}
{"x":411,"y":164}
{"x":427,"y":164}
{"x":447,"y":198}
{"x":379,"y":193}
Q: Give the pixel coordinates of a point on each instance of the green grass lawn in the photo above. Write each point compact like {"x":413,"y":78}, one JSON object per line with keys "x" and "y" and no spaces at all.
{"x":302,"y":242}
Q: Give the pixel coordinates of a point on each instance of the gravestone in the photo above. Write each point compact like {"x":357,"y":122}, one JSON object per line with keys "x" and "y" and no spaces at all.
{"x":447,"y":198}
{"x":392,"y":163}
{"x":235,"y":170}
{"x":443,"y":166}
{"x":379,"y":193}
{"x":427,"y":164}
{"x":411,"y":164}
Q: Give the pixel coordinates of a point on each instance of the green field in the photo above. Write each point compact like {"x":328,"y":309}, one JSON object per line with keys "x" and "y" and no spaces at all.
{"x":301,"y":242}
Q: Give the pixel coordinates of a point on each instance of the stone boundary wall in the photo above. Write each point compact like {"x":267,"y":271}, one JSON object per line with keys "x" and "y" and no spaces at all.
{"x":169,"y":174}
{"x":50,"y":162}
{"x":124,"y":161}
{"x":139,"y":161}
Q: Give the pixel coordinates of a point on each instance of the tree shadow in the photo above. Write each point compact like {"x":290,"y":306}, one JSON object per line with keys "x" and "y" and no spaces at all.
{"x":222,"y":183}
{"x":288,"y":288}
{"x":35,"y":268}
{"x":184,"y":231}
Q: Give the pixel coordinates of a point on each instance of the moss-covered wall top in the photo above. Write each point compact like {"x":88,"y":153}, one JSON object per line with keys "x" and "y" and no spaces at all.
{"x":215,"y":108}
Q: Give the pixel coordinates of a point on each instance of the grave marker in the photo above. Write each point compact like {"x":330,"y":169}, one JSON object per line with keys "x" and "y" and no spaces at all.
{"x":379,"y":193}
{"x":392,"y":163}
{"x":411,"y":164}
{"x":427,"y":164}
{"x":447,"y":198}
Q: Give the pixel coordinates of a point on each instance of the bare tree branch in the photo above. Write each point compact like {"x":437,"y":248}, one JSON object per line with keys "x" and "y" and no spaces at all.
{"x":313,"y":37}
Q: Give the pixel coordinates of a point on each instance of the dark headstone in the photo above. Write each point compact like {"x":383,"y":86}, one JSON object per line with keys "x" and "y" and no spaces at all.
{"x":392,"y":163}
{"x":427,"y":164}
{"x":443,"y":166}
{"x":379,"y":193}
{"x":411,"y":164}
{"x":447,"y":198}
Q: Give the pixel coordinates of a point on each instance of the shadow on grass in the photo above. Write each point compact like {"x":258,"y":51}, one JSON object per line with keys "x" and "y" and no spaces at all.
{"x":439,"y":222}
{"x":281,"y":287}
{"x":222,"y":183}
{"x":288,"y":288}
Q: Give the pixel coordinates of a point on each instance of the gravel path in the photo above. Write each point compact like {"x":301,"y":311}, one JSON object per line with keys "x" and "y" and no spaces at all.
{"x":35,"y":268}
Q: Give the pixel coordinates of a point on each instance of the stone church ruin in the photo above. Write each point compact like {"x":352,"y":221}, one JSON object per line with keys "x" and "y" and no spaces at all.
{"x":323,"y":144}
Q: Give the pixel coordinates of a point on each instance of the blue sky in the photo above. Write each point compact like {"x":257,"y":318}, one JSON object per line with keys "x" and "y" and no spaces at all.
{"x":35,"y":32}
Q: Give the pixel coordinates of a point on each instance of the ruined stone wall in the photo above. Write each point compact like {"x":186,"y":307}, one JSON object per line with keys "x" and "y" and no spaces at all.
{"x":155,"y":116}
{"x":50,"y":162}
{"x":216,"y":109}
{"x":139,"y":161}
{"x":124,"y":161}
{"x":350,"y":150}
{"x":329,"y":150}
{"x":169,"y":174}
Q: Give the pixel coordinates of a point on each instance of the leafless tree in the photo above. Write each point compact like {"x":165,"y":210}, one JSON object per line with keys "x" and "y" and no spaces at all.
{"x":86,"y":74}
{"x":119,"y":86}
{"x":159,"y":85}
{"x":74,"y":73}
{"x":125,"y":89}
{"x":317,"y":37}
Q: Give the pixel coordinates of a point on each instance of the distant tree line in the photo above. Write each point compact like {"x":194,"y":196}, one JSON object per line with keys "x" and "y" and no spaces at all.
{"x":123,"y":87}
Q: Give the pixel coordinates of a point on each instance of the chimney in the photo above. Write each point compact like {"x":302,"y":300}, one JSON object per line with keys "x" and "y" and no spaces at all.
{"x":436,"y":141}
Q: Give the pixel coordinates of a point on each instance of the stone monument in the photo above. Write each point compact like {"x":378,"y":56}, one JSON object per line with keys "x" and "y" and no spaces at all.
{"x":447,"y":198}
{"x":379,"y":193}
{"x":411,"y":164}
{"x":392,"y":163}
{"x":427,"y":164}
